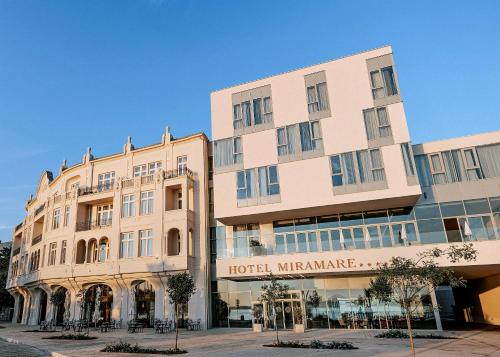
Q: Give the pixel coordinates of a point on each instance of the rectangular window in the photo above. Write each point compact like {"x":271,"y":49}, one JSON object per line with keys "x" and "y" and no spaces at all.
{"x":62,"y":258}
{"x":154,"y":167}
{"x":140,"y":170}
{"x":307,"y":135}
{"x":52,"y":254}
{"x":369,"y":167}
{"x":252,"y":113}
{"x":237,"y":118}
{"x":472,"y":165}
{"x":377,"y":124}
{"x":261,"y":181}
{"x":228,"y":152}
{"x":437,"y":169}
{"x":146,"y":243}
{"x":104,"y":215}
{"x":56,"y":218}
{"x":105,"y":181}
{"x":66,"y":215}
{"x":317,"y":98}
{"x":383,"y":83}
{"x":147,"y":202}
{"x":488,"y":159}
{"x":128,"y":205}
{"x":181,"y":164}
{"x":127,"y":245}
{"x":342,"y":167}
{"x":407,"y":154}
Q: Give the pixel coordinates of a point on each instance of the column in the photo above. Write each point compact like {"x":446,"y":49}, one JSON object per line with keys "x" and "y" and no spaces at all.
{"x":435,"y":307}
{"x":17,"y":300}
{"x":159,"y":303}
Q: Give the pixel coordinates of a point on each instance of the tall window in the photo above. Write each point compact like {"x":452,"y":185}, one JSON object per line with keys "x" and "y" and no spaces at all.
{"x":52,"y":254}
{"x":153,"y":167}
{"x":67,"y":211}
{"x":246,"y":240}
{"x":297,"y":138}
{"x":472,"y":165}
{"x":383,"y":83}
{"x":105,"y":181}
{"x":317,"y":98}
{"x":62,"y":258}
{"x":146,"y":169}
{"x":377,"y":123}
{"x":343,"y":172}
{"x":146,"y":243}
{"x":407,"y":159}
{"x":127,"y":245}
{"x":228,"y":152}
{"x":128,"y":205}
{"x":261,"y":181}
{"x":56,"y":218}
{"x":147,"y":202}
{"x":251,"y":113}
{"x":181,"y":164}
{"x":104,"y":214}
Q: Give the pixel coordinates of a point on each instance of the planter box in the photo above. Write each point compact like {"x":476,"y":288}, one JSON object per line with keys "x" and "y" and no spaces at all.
{"x":299,"y":328}
{"x":257,"y":327}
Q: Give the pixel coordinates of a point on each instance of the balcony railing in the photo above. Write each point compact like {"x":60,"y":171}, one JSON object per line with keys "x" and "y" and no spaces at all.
{"x":128,"y":183}
{"x":57,"y":198}
{"x":16,"y":251}
{"x":90,"y":225}
{"x":39,"y":209}
{"x":18,"y":227}
{"x":36,"y":240}
{"x":83,"y":191}
{"x":178,"y":173}
{"x":147,"y":179}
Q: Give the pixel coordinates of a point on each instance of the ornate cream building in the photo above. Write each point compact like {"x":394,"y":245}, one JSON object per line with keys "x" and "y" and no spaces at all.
{"x":106,"y":232}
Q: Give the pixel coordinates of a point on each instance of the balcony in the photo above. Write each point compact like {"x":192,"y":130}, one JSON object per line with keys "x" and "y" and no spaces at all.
{"x":36,"y":240}
{"x":16,"y":251}
{"x":39,"y":209}
{"x":170,"y":174}
{"x":18,"y":227}
{"x":91,"y":225}
{"x":83,"y":191}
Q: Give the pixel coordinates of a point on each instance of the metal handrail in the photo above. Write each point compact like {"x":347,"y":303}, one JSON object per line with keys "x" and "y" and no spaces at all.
{"x":90,"y":225}
{"x":178,"y":173}
{"x":95,"y":189}
{"x":36,"y":240}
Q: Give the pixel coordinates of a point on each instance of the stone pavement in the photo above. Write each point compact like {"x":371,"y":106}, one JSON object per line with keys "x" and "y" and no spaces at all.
{"x":244,"y":342}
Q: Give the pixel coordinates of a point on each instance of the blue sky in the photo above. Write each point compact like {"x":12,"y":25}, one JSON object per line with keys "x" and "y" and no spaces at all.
{"x":88,"y":73}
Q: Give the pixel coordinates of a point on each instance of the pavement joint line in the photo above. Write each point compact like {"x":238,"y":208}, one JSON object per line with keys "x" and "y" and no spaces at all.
{"x":17,"y":342}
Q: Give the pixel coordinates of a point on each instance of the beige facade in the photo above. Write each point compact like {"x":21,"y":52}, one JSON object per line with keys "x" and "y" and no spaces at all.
{"x":121,"y":223}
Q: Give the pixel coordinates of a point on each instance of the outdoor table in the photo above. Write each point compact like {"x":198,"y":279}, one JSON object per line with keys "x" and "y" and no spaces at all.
{"x":105,"y":327}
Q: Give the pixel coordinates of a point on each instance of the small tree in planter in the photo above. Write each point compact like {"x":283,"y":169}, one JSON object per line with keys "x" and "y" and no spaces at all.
{"x":180,"y":288}
{"x":402,"y":280}
{"x":258,"y":318}
{"x":271,"y":294}
{"x":298,"y":317}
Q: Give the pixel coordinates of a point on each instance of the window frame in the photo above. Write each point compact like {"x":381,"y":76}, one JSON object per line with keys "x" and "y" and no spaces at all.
{"x":52,"y":254}
{"x":146,"y":235}
{"x":56,"y":218}
{"x":126,"y":239}
{"x":128,"y":205}
{"x":146,"y":203}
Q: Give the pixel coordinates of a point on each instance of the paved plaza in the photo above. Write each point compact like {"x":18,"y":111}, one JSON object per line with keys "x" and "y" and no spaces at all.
{"x":244,"y":342}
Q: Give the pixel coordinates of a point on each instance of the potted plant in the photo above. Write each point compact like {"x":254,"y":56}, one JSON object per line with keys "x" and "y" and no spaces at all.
{"x":299,"y":320}
{"x":258,"y":318}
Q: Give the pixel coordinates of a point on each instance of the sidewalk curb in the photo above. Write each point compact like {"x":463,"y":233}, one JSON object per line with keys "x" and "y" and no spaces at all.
{"x":17,"y":342}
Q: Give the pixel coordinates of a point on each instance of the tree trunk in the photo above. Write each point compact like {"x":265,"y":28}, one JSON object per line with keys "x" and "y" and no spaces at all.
{"x":176,"y":327}
{"x":276,"y":325}
{"x":410,"y":333}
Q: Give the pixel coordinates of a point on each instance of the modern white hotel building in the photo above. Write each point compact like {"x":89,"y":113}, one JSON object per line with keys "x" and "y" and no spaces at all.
{"x":310,"y":174}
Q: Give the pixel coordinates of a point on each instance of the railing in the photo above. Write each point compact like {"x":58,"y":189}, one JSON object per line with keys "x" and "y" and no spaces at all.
{"x":90,"y":225}
{"x":83,"y":191}
{"x":18,"y":227}
{"x":36,"y":240}
{"x":16,"y":251}
{"x":177,"y":173}
{"x":39,"y":209}
{"x":147,"y":179}
{"x":128,"y":183}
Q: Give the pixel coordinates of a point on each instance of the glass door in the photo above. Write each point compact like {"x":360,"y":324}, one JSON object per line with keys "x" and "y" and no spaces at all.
{"x":288,"y":314}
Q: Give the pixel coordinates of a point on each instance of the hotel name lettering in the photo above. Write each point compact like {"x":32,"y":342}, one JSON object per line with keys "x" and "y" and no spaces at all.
{"x":291,"y":267}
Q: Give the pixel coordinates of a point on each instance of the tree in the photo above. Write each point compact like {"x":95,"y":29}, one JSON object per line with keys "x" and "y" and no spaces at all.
{"x":5,"y":298}
{"x":271,"y":294}
{"x":402,"y":280}
{"x":180,"y":288}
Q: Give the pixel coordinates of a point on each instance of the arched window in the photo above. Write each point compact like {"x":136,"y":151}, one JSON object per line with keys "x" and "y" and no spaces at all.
{"x":173,"y":242}
{"x":81,"y":250}
{"x":92,"y":251}
{"x":103,"y":249}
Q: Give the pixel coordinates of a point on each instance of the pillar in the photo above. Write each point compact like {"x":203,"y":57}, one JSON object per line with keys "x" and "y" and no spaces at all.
{"x":435,"y":307}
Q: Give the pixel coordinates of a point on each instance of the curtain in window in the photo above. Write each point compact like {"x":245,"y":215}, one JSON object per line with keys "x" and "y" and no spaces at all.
{"x":305,"y":137}
{"x":473,"y":172}
{"x":263,"y":179}
{"x":449,"y":167}
{"x":223,"y":152}
{"x":423,"y":170}
{"x":292,"y":136}
{"x":370,"y":124}
{"x":348,"y":163}
{"x":364,"y":166}
{"x":282,"y":148}
{"x":322,"y":96}
{"x":459,"y":164}
{"x":312,"y":101}
{"x":274,"y":186}
{"x":377,"y":165}
{"x":267,"y":110}
{"x":237,"y":122}
{"x":246,"y":114}
{"x":316,"y":134}
{"x":489,"y":159}
{"x":438,"y":176}
{"x":240,"y":183}
{"x":389,"y":82}
{"x":250,"y":183}
{"x":405,"y":152}
{"x":238,"y":151}
{"x":257,"y":111}
{"x":383,"y":122}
